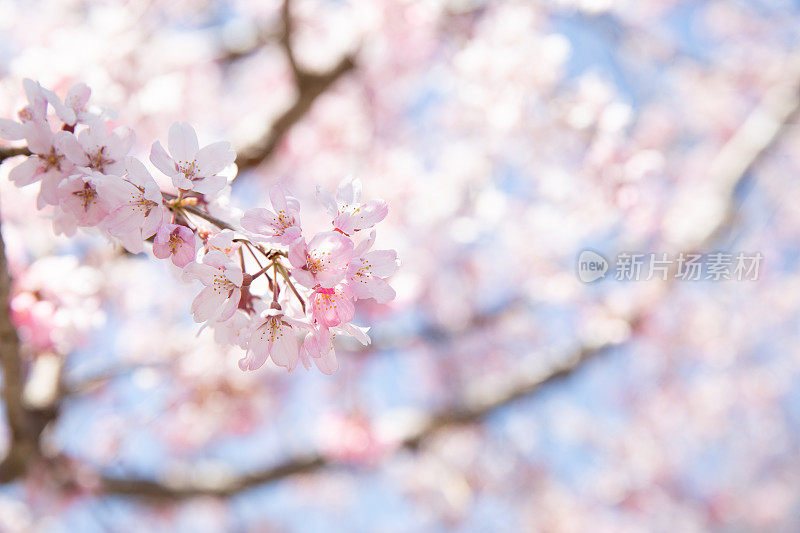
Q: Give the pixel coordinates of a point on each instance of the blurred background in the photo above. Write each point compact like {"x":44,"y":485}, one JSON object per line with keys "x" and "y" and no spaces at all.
{"x":500,"y":392}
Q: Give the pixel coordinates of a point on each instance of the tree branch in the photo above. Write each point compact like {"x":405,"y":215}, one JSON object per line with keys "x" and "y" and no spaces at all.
{"x":20,"y":450}
{"x":310,"y":85}
{"x":11,"y":151}
{"x":26,"y":422}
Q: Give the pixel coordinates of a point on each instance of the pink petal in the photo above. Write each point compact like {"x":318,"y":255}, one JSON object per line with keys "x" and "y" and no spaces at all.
{"x":327,"y":363}
{"x":162,"y":161}
{"x":69,"y":145}
{"x":213,"y":158}
{"x":327,"y":201}
{"x":284,"y":351}
{"x":229,"y":307}
{"x":26,"y":172}
{"x":182,"y":142}
{"x":11,"y":130}
{"x":206,"y":304}
{"x":261,"y":221}
{"x":211,"y":185}
{"x":382,"y":263}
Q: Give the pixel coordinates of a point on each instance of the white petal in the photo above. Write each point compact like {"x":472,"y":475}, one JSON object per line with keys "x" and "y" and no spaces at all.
{"x":26,"y":172}
{"x":285,"y":351}
{"x":69,"y":145}
{"x":214,"y":157}
{"x":206,"y":304}
{"x":211,"y":185}
{"x":229,"y":307}
{"x":162,"y":160}
{"x":327,"y":201}
{"x":182,"y":142}
{"x":11,"y":130}
{"x":382,"y":263}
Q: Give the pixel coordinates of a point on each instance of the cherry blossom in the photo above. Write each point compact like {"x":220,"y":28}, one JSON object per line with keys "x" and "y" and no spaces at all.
{"x":220,"y":297}
{"x":224,"y":241}
{"x":367,"y":270}
{"x":323,"y":261}
{"x":48,"y":164}
{"x":136,"y":201}
{"x":97,"y":149}
{"x":318,"y":347}
{"x":88,"y":181}
{"x":332,"y":307}
{"x":282,"y":225}
{"x":189,"y":166}
{"x":74,"y":107}
{"x":34,"y":112}
{"x":236,"y":331}
{"x":273,"y":338}
{"x":177,"y":243}
{"x":349,"y":214}
{"x":79,"y":196}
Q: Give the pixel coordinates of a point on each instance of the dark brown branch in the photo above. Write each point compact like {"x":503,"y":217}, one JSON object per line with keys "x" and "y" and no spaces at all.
{"x":310,"y":85}
{"x":314,"y":85}
{"x":26,"y":422}
{"x":286,"y":43}
{"x":21,"y":448}
{"x":171,"y":489}
{"x":265,"y":34}
{"x":11,"y":151}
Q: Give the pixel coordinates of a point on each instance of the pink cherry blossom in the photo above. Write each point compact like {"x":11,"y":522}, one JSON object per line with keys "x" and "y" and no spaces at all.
{"x":359,"y":333}
{"x":35,"y":111}
{"x":176,"y":242}
{"x":323,"y":261}
{"x":367,"y":270}
{"x":223,"y":242}
{"x":220,"y":297}
{"x":78,"y":195}
{"x":282,"y":225}
{"x":275,"y":338}
{"x":349,"y":214}
{"x":318,"y":347}
{"x":332,"y":307}
{"x":236,"y":331}
{"x":135,"y":200}
{"x":73,"y":109}
{"x":190,"y":167}
{"x":97,"y":149}
{"x":48,"y":164}
{"x":89,"y":181}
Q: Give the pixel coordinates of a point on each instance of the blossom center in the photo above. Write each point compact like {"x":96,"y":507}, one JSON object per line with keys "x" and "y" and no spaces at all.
{"x":87,"y":195}
{"x":98,"y":160}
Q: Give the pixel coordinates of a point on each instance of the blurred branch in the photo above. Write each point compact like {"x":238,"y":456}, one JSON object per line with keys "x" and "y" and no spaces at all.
{"x":222,"y":487}
{"x":758,"y":133}
{"x":265,"y":34}
{"x":20,"y":448}
{"x":309,"y":84}
{"x":29,"y":405}
{"x":11,"y":151}
{"x":93,"y":383}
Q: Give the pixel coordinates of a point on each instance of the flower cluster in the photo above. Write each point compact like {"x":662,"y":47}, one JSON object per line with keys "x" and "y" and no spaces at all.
{"x":308,"y":286}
